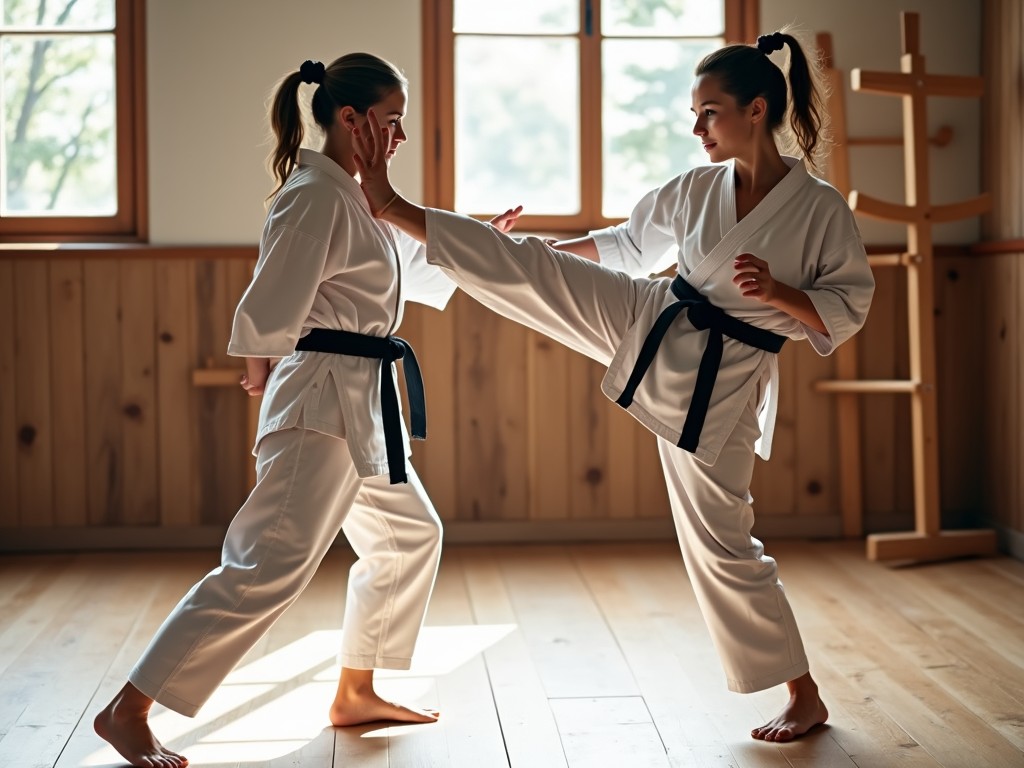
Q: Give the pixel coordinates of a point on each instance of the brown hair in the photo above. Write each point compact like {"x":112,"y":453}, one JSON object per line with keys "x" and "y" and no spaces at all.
{"x":357,"y":80}
{"x":746,"y":72}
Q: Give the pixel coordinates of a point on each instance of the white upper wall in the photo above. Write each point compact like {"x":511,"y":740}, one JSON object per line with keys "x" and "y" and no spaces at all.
{"x":212,"y":65}
{"x":866,"y":35}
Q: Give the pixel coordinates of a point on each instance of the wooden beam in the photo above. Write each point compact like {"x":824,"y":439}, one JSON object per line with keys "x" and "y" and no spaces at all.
{"x":943,"y":545}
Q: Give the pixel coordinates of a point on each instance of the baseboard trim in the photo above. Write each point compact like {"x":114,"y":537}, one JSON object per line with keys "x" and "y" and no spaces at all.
{"x":1010,"y":541}
{"x":89,"y":538}
{"x":95,"y":538}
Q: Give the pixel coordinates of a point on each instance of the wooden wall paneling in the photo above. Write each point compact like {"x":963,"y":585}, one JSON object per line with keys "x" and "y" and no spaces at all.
{"x":774,"y":487}
{"x":175,"y":403}
{"x":441,"y":448}
{"x":511,"y":418}
{"x":1001,"y":388}
{"x":587,"y":473}
{"x":431,"y":334}
{"x":651,"y":495}
{"x":8,"y":400}
{"x":67,"y":363}
{"x":879,"y":411}
{"x":239,"y":275}
{"x":138,"y":392}
{"x":103,"y":427}
{"x":218,"y":438}
{"x":817,"y":476}
{"x":1011,"y":117}
{"x":959,"y":365}
{"x":33,"y":384}
{"x":1017,"y":130}
{"x":491,"y":384}
{"x":990,"y":128}
{"x":549,"y":395}
{"x":1015,"y":515}
{"x":622,"y":475}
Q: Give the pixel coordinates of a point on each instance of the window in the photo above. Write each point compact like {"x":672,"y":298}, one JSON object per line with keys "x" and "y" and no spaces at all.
{"x":71,"y":161}
{"x":574,"y":108}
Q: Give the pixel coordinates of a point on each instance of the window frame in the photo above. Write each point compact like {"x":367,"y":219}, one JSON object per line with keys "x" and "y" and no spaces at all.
{"x":741,"y":23}
{"x":130,"y":223}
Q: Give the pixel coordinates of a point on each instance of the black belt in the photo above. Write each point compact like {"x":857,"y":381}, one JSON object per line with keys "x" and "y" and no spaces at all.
{"x":387,"y":349}
{"x":702,"y":315}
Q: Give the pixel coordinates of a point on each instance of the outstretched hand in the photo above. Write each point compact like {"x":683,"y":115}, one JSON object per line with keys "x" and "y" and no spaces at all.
{"x":754,"y":278}
{"x":371,"y":146}
{"x":504,"y":222}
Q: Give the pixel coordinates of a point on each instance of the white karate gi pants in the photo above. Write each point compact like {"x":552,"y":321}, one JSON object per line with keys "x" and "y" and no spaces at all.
{"x":306,"y":490}
{"x":736,"y":584}
{"x":589,"y":308}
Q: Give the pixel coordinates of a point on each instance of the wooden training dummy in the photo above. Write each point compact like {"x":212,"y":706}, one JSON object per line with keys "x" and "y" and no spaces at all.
{"x":927,"y":541}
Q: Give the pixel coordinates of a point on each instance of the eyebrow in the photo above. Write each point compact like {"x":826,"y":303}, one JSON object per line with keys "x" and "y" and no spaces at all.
{"x":706,"y":103}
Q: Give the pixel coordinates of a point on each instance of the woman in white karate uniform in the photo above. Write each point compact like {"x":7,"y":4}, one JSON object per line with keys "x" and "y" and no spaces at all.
{"x":764,"y":253}
{"x":326,"y":296}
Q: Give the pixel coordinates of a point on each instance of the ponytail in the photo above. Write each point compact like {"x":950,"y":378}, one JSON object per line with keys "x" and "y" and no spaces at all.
{"x":357,"y":80}
{"x":746,"y":72}
{"x":286,"y":121}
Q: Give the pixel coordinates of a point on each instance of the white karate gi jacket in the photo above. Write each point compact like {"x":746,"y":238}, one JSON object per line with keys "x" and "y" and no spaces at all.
{"x":325,"y":262}
{"x":806,"y":232}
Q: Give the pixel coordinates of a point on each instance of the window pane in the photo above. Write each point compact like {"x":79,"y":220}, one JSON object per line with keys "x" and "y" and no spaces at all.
{"x":646,"y":116}
{"x":558,"y":17}
{"x":516,"y":142}
{"x":58,"y":142}
{"x":664,"y":18}
{"x":78,"y":14}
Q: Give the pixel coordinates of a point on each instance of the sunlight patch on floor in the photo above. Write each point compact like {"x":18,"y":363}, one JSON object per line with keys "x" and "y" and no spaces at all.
{"x":277,"y":704}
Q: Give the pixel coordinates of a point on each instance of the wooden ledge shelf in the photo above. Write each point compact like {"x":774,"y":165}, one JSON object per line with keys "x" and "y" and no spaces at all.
{"x":893,"y":259}
{"x":867,"y":386}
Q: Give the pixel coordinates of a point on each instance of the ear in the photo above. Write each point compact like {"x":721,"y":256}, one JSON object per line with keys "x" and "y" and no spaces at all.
{"x":758,"y":109}
{"x":347,"y":117}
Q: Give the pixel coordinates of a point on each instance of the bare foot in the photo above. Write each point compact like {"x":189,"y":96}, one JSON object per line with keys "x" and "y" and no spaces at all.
{"x":123,"y":724}
{"x":804,"y":711}
{"x":367,"y":707}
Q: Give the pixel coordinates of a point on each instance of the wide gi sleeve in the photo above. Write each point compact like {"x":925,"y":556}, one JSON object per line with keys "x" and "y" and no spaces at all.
{"x":423,"y":283}
{"x":841,"y":293}
{"x":290,"y":268}
{"x":645,"y":244}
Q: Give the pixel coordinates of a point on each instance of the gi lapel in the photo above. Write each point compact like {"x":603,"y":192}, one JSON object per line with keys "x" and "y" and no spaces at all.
{"x":764,"y":211}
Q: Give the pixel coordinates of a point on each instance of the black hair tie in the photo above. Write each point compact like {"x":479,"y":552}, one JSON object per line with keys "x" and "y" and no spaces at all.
{"x":767,"y":44}
{"x":312,"y":71}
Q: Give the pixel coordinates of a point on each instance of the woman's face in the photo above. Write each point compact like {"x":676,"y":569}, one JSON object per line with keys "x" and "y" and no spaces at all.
{"x":725,"y":129}
{"x":390,"y":112}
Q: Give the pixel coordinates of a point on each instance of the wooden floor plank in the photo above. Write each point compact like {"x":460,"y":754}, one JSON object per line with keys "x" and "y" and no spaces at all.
{"x":567,"y":636}
{"x":29,"y":605}
{"x":76,"y":649}
{"x":449,"y":654}
{"x":170,"y":575}
{"x":896,"y":664}
{"x":538,"y":656}
{"x":612,"y":730}
{"x":615,"y":578}
{"x":527,"y":722}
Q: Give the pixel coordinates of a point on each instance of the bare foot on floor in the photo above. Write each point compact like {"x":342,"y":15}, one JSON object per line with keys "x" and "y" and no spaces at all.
{"x":804,"y":711}
{"x":125,"y":727}
{"x":357,"y":709}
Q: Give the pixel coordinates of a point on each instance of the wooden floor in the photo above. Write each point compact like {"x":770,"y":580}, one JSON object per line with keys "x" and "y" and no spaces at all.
{"x":588,"y":655}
